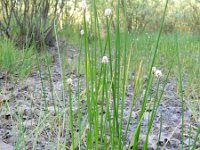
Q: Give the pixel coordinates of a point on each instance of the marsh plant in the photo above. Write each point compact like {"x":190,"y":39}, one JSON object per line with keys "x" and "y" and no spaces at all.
{"x":107,"y":68}
{"x":89,"y":113}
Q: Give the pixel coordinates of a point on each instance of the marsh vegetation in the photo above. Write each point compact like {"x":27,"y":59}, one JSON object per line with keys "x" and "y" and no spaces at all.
{"x":99,"y":74}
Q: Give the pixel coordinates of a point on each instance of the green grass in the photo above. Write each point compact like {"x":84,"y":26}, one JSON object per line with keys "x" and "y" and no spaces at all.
{"x":14,"y":60}
{"x":8,"y":54}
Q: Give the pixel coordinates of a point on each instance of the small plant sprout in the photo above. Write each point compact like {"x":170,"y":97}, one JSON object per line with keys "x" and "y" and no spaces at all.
{"x":104,"y":60}
{"x":69,"y":81}
{"x":83,"y":5}
{"x":158,"y":73}
{"x":108,"y":12}
{"x":153,"y":70}
{"x":82,"y":32}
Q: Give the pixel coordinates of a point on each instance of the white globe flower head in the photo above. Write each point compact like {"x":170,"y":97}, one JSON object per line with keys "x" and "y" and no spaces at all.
{"x":82,"y":32}
{"x":69,"y":81}
{"x":153,"y":70}
{"x":104,"y":60}
{"x":158,"y":73}
{"x":83,"y":5}
{"x":108,"y":12}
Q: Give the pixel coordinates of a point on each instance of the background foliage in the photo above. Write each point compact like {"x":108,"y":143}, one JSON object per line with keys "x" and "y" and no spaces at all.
{"x":25,"y":20}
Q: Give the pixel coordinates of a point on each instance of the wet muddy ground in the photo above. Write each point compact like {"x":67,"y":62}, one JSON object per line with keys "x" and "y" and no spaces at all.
{"x":24,"y":98}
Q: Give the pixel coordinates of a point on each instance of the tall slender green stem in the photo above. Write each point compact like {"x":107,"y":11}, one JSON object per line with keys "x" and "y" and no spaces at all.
{"x":136,"y":139}
{"x":71,"y":115}
{"x":181,"y":92}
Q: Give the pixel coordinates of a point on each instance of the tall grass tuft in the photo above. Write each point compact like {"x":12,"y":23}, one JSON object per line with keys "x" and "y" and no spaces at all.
{"x":137,"y":132}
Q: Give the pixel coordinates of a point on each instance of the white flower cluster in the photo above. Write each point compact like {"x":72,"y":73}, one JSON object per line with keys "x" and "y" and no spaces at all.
{"x":157,"y":72}
{"x":104,"y":60}
{"x":108,"y":12}
{"x":82,"y":32}
{"x":83,"y":5}
{"x":69,"y":81}
{"x":153,"y":69}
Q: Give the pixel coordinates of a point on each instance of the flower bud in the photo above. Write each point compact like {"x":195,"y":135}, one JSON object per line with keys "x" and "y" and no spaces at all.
{"x":104,"y":60}
{"x":108,"y":12}
{"x":69,"y":81}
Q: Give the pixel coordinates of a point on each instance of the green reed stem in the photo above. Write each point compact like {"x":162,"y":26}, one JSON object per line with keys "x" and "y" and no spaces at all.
{"x":102,"y":104}
{"x":160,"y":131}
{"x":112,"y":84}
{"x":79,"y":98}
{"x":60,"y":63}
{"x":87,"y":62}
{"x":136,"y":139}
{"x":196,"y":138}
{"x":42,"y":82}
{"x":117,"y":68}
{"x":181,"y":93}
{"x":125,"y":75}
{"x":71,"y":115}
